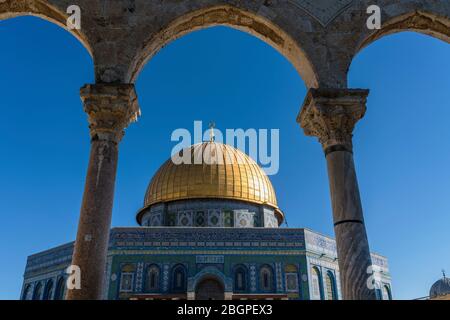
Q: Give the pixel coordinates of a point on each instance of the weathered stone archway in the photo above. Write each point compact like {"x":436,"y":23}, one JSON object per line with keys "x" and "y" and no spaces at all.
{"x":236,"y":18}
{"x":219,"y":279}
{"x":210,"y":288}
{"x":42,"y":9}
{"x":427,"y":23}
{"x":319,"y":38}
{"x":418,"y":21}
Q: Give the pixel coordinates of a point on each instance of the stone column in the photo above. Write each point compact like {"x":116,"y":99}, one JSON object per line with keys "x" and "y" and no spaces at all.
{"x":110,"y":109}
{"x":331,"y":115}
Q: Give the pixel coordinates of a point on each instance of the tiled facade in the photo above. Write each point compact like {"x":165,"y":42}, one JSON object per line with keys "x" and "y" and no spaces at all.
{"x":212,"y":213}
{"x":164,"y":262}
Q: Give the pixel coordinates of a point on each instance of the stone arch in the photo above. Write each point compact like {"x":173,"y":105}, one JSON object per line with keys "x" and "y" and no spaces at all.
{"x":48,"y":290}
{"x":240,"y":278}
{"x":235,"y":18}
{"x":26,"y":292}
{"x":266,"y":278}
{"x":330,"y":281}
{"x":386,"y":293}
{"x":37,"y":292}
{"x":210,"y":287}
{"x":418,"y":21}
{"x":210,"y":272}
{"x":178,"y":278}
{"x":43,"y":10}
{"x":316,"y":284}
{"x":60,"y":289}
{"x":153,"y":278}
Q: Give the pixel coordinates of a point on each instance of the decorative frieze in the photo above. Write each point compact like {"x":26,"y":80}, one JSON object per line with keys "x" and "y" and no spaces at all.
{"x":210,"y":259}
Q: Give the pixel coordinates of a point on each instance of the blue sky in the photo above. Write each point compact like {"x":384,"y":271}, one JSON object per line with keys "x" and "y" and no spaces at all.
{"x":401,"y":146}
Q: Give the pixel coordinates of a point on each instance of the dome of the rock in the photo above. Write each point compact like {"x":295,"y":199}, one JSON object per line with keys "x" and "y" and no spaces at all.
{"x":211,"y":171}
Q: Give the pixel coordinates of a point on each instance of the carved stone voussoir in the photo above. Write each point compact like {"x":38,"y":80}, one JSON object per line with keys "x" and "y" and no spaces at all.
{"x":110,"y":108}
{"x":331,"y":115}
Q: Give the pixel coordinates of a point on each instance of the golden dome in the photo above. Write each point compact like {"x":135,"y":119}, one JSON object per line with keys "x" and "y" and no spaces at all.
{"x":224,"y":173}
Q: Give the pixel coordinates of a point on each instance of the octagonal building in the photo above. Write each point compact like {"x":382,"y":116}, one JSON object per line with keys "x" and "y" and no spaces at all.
{"x":210,"y":228}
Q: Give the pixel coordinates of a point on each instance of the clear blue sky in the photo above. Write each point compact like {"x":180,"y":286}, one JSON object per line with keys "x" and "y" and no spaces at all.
{"x":402,"y":149}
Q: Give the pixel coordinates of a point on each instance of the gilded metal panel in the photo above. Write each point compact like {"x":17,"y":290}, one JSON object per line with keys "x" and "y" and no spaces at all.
{"x":225,"y":172}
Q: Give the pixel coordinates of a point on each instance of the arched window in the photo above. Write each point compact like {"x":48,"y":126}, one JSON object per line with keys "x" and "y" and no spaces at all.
{"x":331,"y":286}
{"x":240,"y":279}
{"x":60,"y":289}
{"x":48,"y":291}
{"x":266,"y":278}
{"x":316,"y":283}
{"x":387,"y":293}
{"x":37,"y":294}
{"x":152,"y":280}
{"x":26,"y":292}
{"x":179,"y":278}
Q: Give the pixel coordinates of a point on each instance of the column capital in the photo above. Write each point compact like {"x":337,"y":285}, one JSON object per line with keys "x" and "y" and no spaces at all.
{"x":331,"y":115}
{"x":110,"y":109}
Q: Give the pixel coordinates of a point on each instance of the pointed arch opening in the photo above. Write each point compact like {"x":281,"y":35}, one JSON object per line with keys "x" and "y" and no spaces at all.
{"x":234,"y":18}
{"x":153,"y":279}
{"x":179,"y":279}
{"x":60,"y":289}
{"x":316,"y":284}
{"x":48,"y":291}
{"x":266,"y":278}
{"x":210,"y":288}
{"x":37,"y":293}
{"x":331,"y":286}
{"x":417,"y":21}
{"x":240,"y":275}
{"x":44,"y":11}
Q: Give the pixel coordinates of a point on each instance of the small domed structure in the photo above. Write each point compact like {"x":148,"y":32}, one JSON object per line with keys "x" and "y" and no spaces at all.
{"x":440,"y":287}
